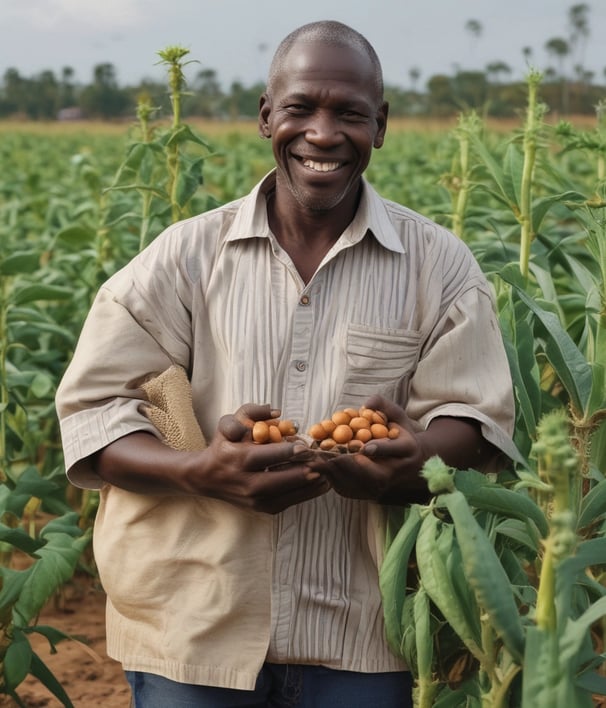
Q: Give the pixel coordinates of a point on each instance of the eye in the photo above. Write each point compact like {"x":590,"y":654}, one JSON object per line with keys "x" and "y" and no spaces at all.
{"x":297,"y":108}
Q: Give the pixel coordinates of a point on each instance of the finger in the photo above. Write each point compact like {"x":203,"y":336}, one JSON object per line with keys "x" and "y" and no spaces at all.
{"x":261,"y":457}
{"x":235,"y":426}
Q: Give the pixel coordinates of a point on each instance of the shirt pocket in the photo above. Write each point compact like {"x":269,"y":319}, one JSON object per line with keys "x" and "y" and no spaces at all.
{"x":378,"y":361}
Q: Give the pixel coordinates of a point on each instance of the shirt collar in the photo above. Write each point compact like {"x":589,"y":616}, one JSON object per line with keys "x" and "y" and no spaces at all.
{"x":372,"y":217}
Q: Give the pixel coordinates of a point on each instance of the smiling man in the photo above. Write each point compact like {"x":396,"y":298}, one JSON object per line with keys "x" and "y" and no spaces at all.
{"x":243,"y":574}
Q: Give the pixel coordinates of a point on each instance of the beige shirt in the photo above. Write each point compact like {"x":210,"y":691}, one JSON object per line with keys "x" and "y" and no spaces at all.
{"x":198,"y":590}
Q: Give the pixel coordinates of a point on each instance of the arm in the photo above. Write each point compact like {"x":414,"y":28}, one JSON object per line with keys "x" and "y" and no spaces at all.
{"x":231,"y":468}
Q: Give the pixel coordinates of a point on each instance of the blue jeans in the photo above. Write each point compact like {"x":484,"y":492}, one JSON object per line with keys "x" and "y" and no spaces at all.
{"x":280,"y":686}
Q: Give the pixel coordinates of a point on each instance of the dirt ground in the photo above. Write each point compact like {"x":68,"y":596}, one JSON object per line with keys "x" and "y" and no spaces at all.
{"x":88,"y":675}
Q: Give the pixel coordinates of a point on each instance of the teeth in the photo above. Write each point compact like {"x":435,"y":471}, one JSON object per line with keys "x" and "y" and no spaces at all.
{"x":321,"y":166}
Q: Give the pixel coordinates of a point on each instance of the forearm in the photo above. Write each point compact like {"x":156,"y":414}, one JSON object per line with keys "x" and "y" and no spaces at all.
{"x":141,"y":463}
{"x":458,"y":441}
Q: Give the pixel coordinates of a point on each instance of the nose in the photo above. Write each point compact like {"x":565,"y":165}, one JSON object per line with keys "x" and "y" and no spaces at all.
{"x":324,"y":129}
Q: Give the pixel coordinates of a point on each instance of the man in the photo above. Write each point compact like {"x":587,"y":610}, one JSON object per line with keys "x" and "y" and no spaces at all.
{"x":246,"y":574}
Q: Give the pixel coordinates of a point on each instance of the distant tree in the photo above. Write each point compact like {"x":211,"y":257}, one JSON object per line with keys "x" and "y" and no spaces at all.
{"x":208,"y":96}
{"x":414,"y":74}
{"x":495,"y":69}
{"x":474,"y":28}
{"x":470,"y":89}
{"x":527,"y":54}
{"x":579,"y":31}
{"x":68,"y":94}
{"x":103,"y":98}
{"x":14,"y":92}
{"x":440,"y":98}
{"x":47,"y":96}
{"x":559,"y":49}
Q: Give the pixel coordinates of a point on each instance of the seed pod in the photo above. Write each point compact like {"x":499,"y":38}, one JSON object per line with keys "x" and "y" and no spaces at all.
{"x":327,"y":444}
{"x":394,"y":432}
{"x":351,"y":412}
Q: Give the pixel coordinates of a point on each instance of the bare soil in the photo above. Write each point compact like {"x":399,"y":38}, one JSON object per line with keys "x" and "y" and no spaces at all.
{"x":88,"y":675}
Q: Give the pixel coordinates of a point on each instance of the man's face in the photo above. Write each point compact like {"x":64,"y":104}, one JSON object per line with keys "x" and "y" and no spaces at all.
{"x":324,"y":117}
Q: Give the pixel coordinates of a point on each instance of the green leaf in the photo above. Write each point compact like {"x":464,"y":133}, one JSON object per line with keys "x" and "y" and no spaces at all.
{"x":55,"y":565}
{"x":20,"y":262}
{"x":33,"y":293}
{"x":77,"y":235}
{"x":541,"y":206}
{"x":392,"y":576}
{"x":483,"y":494}
{"x":495,"y":170}
{"x":185,"y":134}
{"x":13,"y":582}
{"x":17,"y":660}
{"x":41,"y":671}
{"x":568,"y":362}
{"x":593,"y":505}
{"x":486,"y":575}
{"x":20,"y":539}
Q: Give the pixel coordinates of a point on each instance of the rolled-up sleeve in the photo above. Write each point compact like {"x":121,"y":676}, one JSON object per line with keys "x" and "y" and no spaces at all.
{"x":467,"y":360}
{"x":126,"y":338}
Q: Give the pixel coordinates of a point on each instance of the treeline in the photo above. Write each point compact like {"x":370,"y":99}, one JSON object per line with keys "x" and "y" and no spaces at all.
{"x":47,"y":96}
{"x":567,"y":87}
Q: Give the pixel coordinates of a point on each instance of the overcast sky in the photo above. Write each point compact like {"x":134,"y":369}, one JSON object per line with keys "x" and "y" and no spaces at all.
{"x":236,"y":38}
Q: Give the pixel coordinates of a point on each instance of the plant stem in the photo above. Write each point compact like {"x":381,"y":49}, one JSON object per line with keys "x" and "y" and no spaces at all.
{"x":3,"y":381}
{"x":533,"y":123}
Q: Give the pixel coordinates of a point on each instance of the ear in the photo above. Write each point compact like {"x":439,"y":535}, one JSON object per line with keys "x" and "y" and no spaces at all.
{"x":381,"y":125}
{"x":264,"y":111}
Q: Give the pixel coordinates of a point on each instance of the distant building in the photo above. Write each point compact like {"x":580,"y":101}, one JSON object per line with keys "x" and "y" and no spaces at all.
{"x":70,"y":113}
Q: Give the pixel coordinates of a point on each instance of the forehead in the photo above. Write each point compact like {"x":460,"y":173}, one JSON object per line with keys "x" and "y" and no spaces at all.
{"x":317,"y":64}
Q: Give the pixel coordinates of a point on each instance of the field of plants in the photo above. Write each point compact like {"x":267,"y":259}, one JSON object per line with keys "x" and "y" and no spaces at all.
{"x":494,"y":592}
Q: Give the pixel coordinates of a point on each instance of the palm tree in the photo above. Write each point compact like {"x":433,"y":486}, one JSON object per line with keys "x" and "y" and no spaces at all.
{"x":559,"y":49}
{"x":474,"y":28}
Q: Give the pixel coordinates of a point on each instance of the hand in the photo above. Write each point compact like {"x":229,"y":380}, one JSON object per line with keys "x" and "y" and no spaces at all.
{"x":232,"y":468}
{"x":266,"y":478}
{"x":387,"y":471}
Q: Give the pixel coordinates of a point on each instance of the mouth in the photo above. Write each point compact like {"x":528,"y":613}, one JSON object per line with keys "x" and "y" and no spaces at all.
{"x":319,"y":166}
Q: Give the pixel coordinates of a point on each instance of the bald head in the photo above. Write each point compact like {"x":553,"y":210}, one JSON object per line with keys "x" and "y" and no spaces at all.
{"x":335,"y":34}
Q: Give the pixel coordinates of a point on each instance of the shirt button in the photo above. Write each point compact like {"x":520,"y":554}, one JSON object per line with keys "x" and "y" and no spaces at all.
{"x":300,"y":365}
{"x":305,"y":300}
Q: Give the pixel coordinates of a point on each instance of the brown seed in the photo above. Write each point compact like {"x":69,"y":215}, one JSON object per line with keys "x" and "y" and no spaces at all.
{"x":260,"y":431}
{"x":394,"y":432}
{"x":327,"y":444}
{"x":379,"y":430}
{"x":287,"y":427}
{"x":364,"y":435}
{"x":358,"y":423}
{"x":274,"y":434}
{"x":328,"y":425}
{"x":355,"y":445}
{"x":317,"y":432}
{"x":342,"y":434}
{"x":341,"y":418}
{"x":367,"y":413}
{"x":379,"y":417}
{"x":351,"y":412}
